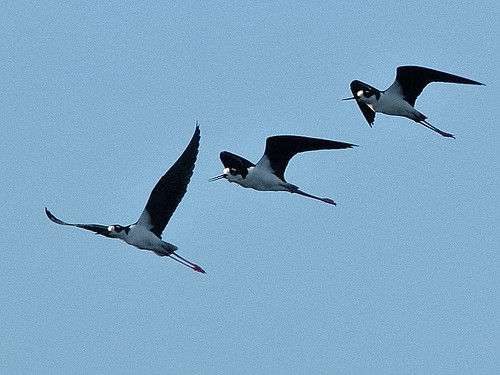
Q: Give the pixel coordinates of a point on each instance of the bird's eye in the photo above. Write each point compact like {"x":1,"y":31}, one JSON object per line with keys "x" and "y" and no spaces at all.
{"x":233,"y":172}
{"x":366,"y":93}
{"x":118,"y":228}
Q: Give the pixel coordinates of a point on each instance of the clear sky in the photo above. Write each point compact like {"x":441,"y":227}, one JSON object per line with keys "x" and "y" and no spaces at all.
{"x":98,"y":100}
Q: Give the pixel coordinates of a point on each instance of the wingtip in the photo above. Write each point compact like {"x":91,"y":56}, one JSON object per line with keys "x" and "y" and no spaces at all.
{"x":50,"y":215}
{"x":347,"y":145}
{"x":195,"y":139}
{"x":473,"y":82}
{"x":53,"y":218}
{"x":197,"y":130}
{"x":477,"y":83}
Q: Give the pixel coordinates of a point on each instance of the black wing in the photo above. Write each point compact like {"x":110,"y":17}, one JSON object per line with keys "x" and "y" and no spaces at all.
{"x":236,"y":162}
{"x":98,"y":229}
{"x":365,"y":109}
{"x":281,"y":148}
{"x":367,"y":112}
{"x":170,"y":189}
{"x":413,"y":79}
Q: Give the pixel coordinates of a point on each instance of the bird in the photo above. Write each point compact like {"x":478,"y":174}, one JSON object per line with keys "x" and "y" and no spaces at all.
{"x":146,"y":233}
{"x":269,"y":172}
{"x":399,"y":99}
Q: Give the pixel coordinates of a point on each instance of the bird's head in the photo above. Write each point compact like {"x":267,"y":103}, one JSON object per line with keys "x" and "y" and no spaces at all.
{"x":118,"y":231}
{"x":363,"y":92}
{"x":235,"y":167}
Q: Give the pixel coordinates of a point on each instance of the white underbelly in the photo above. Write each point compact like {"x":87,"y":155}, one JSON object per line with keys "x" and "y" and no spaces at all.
{"x":143,"y":239}
{"x":396,"y":107}
{"x":263,"y":181}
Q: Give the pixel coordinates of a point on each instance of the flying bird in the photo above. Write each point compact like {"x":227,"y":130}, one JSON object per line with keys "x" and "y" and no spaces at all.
{"x":269,"y":173}
{"x":399,"y":99}
{"x":146,"y":233}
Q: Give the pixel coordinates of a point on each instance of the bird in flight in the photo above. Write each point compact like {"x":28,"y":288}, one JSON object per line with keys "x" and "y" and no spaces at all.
{"x":269,"y":172}
{"x":145,"y":234}
{"x":399,"y":99}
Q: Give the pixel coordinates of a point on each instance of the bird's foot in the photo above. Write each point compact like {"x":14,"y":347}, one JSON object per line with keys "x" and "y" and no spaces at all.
{"x":198,"y":268}
{"x":329,"y":201}
{"x":444,"y":134}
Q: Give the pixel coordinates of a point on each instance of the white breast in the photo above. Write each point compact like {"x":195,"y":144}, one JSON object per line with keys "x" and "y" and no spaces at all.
{"x":263,"y":179}
{"x":142,"y":238}
{"x":393,"y":104}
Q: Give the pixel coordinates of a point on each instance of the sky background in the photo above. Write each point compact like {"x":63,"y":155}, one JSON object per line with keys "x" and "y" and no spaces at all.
{"x":98,"y":100}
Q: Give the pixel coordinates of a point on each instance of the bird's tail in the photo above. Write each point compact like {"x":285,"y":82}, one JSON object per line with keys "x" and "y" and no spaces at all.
{"x":168,"y":249}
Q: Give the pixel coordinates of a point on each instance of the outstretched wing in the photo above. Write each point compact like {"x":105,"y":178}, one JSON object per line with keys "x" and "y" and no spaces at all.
{"x":170,"y":189}
{"x":281,"y":148}
{"x":411,"y":80}
{"x":98,"y":229}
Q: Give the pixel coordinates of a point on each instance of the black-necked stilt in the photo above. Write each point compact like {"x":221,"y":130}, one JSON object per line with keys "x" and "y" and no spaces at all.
{"x":146,"y":233}
{"x":268,"y":173}
{"x":400,"y":97}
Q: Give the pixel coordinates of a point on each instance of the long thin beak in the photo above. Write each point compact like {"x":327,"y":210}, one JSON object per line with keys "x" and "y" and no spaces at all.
{"x":349,"y":98}
{"x":216,"y":178}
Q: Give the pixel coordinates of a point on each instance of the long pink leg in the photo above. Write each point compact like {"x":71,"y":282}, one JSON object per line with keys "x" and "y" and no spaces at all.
{"x":432,"y":127}
{"x":187,"y":263}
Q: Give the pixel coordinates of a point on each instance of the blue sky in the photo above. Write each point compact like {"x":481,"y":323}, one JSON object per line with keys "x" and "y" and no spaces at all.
{"x":98,"y":101}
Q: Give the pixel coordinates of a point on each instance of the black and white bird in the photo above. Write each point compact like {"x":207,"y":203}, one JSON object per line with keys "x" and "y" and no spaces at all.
{"x":146,"y":233}
{"x":399,"y":99}
{"x":269,"y":173}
